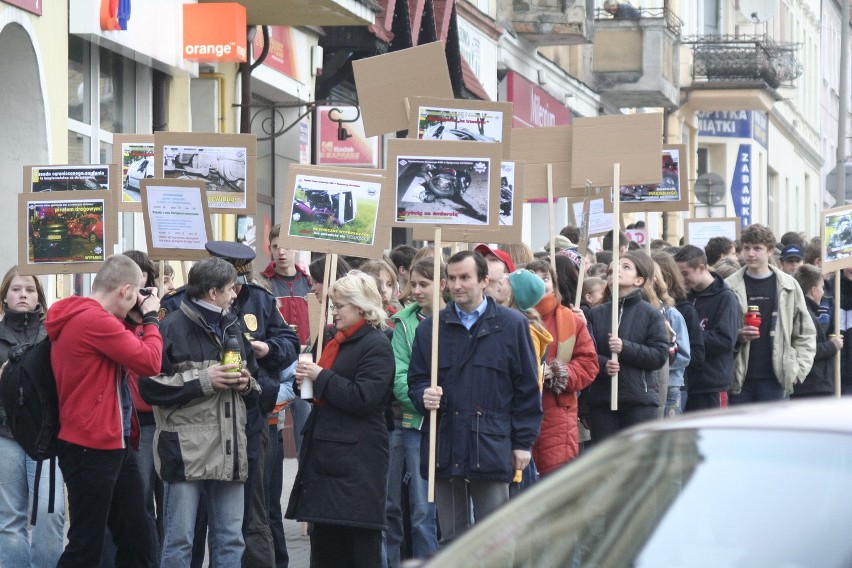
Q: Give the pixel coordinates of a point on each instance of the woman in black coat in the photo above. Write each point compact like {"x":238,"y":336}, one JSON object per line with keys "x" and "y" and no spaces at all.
{"x":642,"y":347}
{"x":341,"y":484}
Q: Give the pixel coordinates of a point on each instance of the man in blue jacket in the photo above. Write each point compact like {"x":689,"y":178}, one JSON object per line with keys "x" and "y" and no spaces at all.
{"x":487,"y":400}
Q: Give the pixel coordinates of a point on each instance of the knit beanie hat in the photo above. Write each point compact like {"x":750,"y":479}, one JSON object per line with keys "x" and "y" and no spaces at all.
{"x":527,"y":288}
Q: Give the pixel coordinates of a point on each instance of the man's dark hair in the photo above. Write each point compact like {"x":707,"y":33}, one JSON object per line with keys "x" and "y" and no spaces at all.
{"x":481,"y":264}
{"x":317,"y":269}
{"x":402,"y":255}
{"x":571,"y":232}
{"x":716,"y":247}
{"x":640,"y":224}
{"x":607,"y":240}
{"x":604,"y":257}
{"x":212,"y":272}
{"x":792,"y":238}
{"x":807,"y":276}
{"x":692,"y":255}
{"x":813,"y":251}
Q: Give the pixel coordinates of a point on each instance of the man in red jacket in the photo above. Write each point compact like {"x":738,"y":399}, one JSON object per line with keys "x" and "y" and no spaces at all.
{"x":93,"y":350}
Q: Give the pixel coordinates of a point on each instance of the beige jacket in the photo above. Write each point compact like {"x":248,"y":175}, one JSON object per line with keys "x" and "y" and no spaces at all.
{"x":794,"y":343}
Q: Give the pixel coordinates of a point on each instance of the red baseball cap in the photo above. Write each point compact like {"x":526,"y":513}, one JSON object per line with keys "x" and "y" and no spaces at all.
{"x":485,"y":250}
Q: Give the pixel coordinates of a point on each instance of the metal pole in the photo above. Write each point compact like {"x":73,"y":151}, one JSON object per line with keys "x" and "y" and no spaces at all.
{"x":843,"y":111}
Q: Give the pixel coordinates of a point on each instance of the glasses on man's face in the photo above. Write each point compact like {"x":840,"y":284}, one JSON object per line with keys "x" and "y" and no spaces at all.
{"x":337,"y":307}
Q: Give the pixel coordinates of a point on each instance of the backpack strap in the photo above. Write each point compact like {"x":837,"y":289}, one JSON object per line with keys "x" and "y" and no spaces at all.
{"x":51,"y":500}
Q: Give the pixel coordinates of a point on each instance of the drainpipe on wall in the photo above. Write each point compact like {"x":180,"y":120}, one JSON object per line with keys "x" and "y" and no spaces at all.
{"x":220,"y":78}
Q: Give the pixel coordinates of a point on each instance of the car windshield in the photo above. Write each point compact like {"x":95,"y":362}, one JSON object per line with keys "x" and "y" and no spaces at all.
{"x":680,"y":498}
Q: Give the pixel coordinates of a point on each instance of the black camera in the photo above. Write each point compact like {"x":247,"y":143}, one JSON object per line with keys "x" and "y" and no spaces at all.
{"x":145,"y":291}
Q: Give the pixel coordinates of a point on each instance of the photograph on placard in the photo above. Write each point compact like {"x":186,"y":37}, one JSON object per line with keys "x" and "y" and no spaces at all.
{"x":134,"y":153}
{"x":438,"y":123}
{"x":90,"y":177}
{"x":507,"y":200}
{"x":439,"y":189}
{"x":837,"y":238}
{"x":226,"y":163}
{"x":667,"y":190}
{"x":337,"y":210}
{"x":64,"y":235}
{"x":698,"y":232}
{"x":176,"y":218}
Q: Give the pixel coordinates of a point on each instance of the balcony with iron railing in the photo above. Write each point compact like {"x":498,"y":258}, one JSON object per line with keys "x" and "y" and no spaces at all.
{"x":636,"y":61}
{"x":738,"y":62}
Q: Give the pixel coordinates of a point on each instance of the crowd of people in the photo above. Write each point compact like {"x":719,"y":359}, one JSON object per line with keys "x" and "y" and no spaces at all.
{"x":172,"y":406}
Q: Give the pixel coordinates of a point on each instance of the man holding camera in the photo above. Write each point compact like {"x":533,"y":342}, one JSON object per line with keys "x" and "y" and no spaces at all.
{"x":93,"y":349}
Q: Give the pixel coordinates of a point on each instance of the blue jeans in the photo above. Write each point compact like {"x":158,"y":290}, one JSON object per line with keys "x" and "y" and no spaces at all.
{"x":673,"y":407}
{"x":224,"y":500}
{"x":17,"y":477}
{"x":404,"y":468}
{"x":758,"y":390}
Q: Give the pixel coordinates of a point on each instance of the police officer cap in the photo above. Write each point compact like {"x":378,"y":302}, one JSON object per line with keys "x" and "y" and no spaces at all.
{"x":237,"y":254}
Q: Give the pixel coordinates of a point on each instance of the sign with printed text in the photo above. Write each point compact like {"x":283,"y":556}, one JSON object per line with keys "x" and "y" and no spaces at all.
{"x":355,"y":149}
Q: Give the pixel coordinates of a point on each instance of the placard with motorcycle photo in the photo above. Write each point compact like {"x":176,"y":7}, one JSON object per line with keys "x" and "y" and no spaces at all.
{"x":134,"y":153}
{"x":460,"y":120}
{"x":512,"y":176}
{"x":441,"y":182}
{"x":65,"y":234}
{"x":338,"y":210}
{"x":226,"y":163}
{"x":87,"y":177}
{"x":671,"y":194}
{"x":837,"y":238}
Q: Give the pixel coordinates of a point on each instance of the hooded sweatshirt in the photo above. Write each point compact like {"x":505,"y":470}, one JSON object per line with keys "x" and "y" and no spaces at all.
{"x":91,"y":350}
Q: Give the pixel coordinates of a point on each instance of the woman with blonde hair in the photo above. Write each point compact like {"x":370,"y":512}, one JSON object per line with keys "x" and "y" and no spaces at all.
{"x":386,"y":281}
{"x":341,"y":484}
{"x":24,"y":307}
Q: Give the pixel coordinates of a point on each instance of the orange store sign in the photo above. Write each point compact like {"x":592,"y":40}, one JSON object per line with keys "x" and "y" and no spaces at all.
{"x":214,"y":32}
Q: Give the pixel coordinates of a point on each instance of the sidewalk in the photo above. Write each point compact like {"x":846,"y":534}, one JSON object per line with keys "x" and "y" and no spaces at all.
{"x":298,"y":546}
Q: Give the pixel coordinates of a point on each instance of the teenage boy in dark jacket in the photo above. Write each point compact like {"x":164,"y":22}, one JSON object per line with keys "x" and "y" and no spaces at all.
{"x":720,"y":317}
{"x":820,"y":380}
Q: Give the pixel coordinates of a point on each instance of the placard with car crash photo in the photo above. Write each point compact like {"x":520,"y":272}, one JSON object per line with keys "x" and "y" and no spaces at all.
{"x":447,"y":183}
{"x":226,"y":163}
{"x":460,"y":120}
{"x":134,"y":153}
{"x":331,"y":209}
{"x":837,"y":238}
{"x":65,"y":234}
{"x":88,"y":177}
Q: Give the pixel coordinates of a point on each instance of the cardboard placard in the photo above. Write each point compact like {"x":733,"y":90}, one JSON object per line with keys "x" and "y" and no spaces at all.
{"x":698,"y":231}
{"x":600,"y":221}
{"x":669,"y":194}
{"x":459,"y":119}
{"x":65,"y":232}
{"x":440,"y":182}
{"x":632,"y":140}
{"x":836,"y":235}
{"x":227,"y":164}
{"x":134,"y":154}
{"x":538,"y":147}
{"x":176,"y":218}
{"x":383,"y":83}
{"x":336,"y":210}
{"x":71,"y":177}
{"x":511,"y":214}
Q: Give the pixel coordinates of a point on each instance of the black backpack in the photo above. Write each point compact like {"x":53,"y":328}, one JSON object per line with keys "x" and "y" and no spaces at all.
{"x":28,"y":394}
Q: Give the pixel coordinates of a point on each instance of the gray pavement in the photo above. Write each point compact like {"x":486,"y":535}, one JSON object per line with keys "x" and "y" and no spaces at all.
{"x":298,"y":545}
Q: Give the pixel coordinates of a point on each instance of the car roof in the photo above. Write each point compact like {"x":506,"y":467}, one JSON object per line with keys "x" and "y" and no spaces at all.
{"x":828,"y":414}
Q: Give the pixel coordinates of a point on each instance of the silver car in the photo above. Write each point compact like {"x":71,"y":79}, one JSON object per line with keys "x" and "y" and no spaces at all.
{"x":758,"y":486}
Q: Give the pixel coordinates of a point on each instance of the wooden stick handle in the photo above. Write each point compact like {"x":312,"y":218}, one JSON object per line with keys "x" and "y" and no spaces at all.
{"x":433,"y":414}
{"x":616,"y":241}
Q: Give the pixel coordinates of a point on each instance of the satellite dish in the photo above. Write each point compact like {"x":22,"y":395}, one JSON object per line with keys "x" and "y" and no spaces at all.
{"x":757,"y":11}
{"x":710,"y":189}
